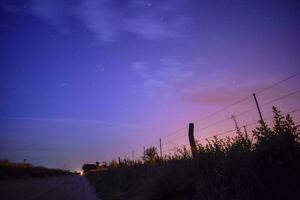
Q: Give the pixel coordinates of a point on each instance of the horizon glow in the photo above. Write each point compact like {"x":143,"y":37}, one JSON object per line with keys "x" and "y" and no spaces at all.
{"x":92,"y":80}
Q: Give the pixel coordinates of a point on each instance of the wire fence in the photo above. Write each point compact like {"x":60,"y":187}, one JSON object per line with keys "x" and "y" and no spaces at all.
{"x":283,"y":94}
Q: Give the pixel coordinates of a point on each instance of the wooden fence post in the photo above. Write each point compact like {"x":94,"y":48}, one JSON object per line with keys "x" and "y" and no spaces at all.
{"x":258,"y":109}
{"x":192,"y":140}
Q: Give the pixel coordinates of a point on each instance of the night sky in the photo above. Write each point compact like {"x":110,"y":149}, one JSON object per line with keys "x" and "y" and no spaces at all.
{"x":87,"y":81}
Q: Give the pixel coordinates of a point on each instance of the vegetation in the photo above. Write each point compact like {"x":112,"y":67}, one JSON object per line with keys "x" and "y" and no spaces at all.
{"x":263,"y":166}
{"x":9,"y":170}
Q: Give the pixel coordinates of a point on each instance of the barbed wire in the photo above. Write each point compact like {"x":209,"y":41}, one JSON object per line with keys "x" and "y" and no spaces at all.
{"x":277,"y":83}
{"x":233,"y":104}
{"x":234,"y":130}
{"x":279,"y":98}
{"x":226,"y":119}
{"x":249,"y":110}
{"x":187,"y":147}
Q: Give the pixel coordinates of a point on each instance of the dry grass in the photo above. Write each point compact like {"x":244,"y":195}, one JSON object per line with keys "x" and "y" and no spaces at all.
{"x":265,"y":166}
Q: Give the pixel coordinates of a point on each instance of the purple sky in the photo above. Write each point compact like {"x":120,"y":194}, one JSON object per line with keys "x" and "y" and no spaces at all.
{"x":86,"y":81}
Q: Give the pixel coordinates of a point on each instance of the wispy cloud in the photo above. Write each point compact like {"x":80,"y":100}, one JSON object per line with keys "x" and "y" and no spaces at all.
{"x":193,"y":84}
{"x":170,"y":77}
{"x":144,"y":19}
{"x":109,"y":19}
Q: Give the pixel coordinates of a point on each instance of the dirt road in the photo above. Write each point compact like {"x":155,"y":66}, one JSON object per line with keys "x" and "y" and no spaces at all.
{"x":73,"y":187}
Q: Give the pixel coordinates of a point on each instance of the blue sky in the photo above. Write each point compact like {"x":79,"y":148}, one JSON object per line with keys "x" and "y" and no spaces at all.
{"x":82,"y":81}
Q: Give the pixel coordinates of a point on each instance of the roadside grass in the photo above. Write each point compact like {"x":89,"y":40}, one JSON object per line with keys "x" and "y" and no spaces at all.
{"x":263,"y":166}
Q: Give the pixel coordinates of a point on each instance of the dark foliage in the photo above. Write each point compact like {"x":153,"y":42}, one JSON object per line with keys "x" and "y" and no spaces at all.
{"x":9,"y":170}
{"x":263,"y":166}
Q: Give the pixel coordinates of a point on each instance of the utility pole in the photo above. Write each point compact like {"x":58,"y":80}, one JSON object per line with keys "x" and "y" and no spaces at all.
{"x":192,"y":139}
{"x":258,"y":109}
{"x":160,"y":148}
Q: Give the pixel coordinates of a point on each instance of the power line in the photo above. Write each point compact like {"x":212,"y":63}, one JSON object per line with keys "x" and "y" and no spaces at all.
{"x":282,"y":97}
{"x":225,"y":132}
{"x":231,"y":105}
{"x":171,"y":141}
{"x":249,"y":110}
{"x":174,"y":132}
{"x":215,"y":123}
{"x":169,"y":150}
{"x":219,"y":134}
{"x":244,"y":99}
{"x":277,"y":83}
{"x":246,"y":111}
{"x":264,"y":104}
{"x":221,"y":110}
{"x":176,"y":147}
{"x":293,"y":111}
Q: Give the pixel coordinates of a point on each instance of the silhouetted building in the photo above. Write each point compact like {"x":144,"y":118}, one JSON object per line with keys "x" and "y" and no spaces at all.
{"x":94,"y":167}
{"x":89,"y":167}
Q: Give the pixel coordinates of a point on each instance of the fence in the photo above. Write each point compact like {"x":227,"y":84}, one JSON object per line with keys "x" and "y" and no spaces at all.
{"x":244,"y":113}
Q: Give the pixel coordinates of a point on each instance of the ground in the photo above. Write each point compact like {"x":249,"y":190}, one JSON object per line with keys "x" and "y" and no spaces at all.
{"x":73,"y":187}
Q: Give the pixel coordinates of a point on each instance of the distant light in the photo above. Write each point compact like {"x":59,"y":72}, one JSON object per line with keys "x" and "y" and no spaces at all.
{"x":81,"y":173}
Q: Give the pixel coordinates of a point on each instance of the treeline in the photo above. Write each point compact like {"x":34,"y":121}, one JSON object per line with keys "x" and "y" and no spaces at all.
{"x":10,"y":170}
{"x":263,"y":165}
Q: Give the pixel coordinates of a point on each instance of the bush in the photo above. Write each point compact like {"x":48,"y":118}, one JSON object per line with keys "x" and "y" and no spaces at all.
{"x":265,"y":166}
{"x":9,"y":170}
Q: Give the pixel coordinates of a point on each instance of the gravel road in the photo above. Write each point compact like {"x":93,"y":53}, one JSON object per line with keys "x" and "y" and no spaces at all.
{"x":72,"y":187}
